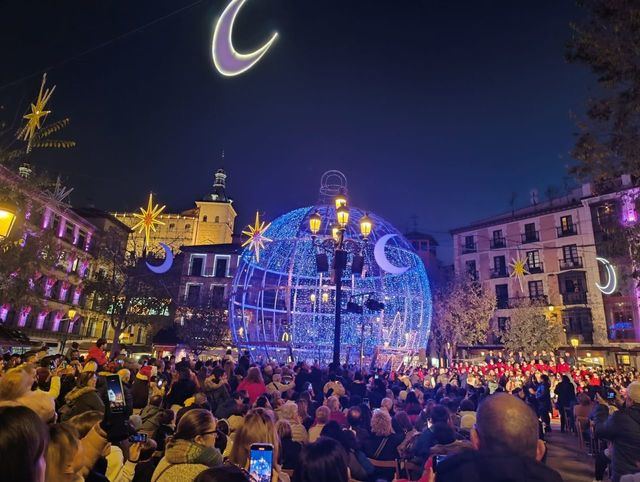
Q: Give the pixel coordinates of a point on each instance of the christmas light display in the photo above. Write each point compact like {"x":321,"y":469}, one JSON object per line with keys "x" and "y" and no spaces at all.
{"x":518,"y":270}
{"x":228,"y":61}
{"x":256,"y":238}
{"x":148,"y":219}
{"x":37,"y":113}
{"x":611,"y":285}
{"x":281,"y":303}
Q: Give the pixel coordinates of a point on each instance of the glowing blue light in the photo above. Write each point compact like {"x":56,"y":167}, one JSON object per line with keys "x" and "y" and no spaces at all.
{"x":283,"y":293}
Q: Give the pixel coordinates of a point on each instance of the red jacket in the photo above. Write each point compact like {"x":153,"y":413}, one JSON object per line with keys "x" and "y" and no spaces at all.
{"x":98,"y":355}
{"x":254,"y":390}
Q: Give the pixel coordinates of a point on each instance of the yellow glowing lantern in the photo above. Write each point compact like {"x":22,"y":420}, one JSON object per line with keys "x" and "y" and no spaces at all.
{"x":365,"y":226}
{"x":335,"y":233}
{"x":312,"y":297}
{"x":325,"y":297}
{"x":575,"y":342}
{"x":72,"y":314}
{"x":342,"y":213}
{"x":340,"y":201}
{"x":315,"y":221}
{"x":7,"y":218}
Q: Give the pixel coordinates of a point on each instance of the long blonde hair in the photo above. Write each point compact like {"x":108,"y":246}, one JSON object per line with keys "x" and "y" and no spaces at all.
{"x":61,"y":451}
{"x":258,"y":428}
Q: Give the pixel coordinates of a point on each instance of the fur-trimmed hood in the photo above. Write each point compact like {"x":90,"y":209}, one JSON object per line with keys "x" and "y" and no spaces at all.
{"x":77,"y":392}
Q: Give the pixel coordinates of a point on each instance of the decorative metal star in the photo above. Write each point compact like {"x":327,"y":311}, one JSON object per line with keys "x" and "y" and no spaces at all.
{"x":256,"y":238}
{"x":148,"y":219}
{"x":37,"y":113}
{"x":518,"y":269}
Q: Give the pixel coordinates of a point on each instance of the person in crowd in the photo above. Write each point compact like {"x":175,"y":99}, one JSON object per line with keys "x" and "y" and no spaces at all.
{"x":289,"y":449}
{"x":97,"y":352}
{"x":165,"y":428}
{"x":566,"y":394}
{"x":408,"y":430}
{"x":336,"y":415}
{"x":543,"y":397}
{"x":506,"y":445}
{"x":333,"y":387}
{"x":622,"y":429}
{"x":125,"y":377}
{"x":150,"y":415}
{"x":140,"y":388}
{"x":289,"y":412}
{"x":322,"y":461}
{"x":181,"y":389}
{"x":360,"y":468}
{"x":224,"y":473}
{"x":356,"y":423}
{"x":322,"y":417}
{"x":191,"y":450}
{"x":199,"y":401}
{"x":15,"y":389}
{"x":383,"y":443}
{"x":253,"y":384}
{"x":83,"y":398}
{"x":23,"y":443}
{"x":466,"y":415}
{"x":439,"y":431}
{"x":258,"y":427}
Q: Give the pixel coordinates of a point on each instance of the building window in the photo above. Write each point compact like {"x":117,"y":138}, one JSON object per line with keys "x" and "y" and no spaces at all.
{"x":471,"y":269}
{"x":533,"y":262}
{"x":416,"y":245}
{"x":55,"y":222}
{"x":567,"y":228}
{"x":217,"y":220}
{"x":193,"y":294}
{"x":502,"y":296}
{"x":503,"y":322}
{"x":221,"y":262}
{"x":499,"y":266}
{"x":530,"y":234}
{"x":196,"y":266}
{"x":68,"y":232}
{"x":187,"y":226}
{"x":172,"y":227}
{"x":570,"y":252}
{"x":621,"y":327}
{"x":469,"y":244}
{"x":536,"y":290}
{"x":82,"y":239}
{"x":497,"y":240}
{"x":217,"y":296}
{"x":204,"y":219}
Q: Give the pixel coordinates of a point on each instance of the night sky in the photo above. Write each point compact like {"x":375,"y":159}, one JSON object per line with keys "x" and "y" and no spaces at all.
{"x":438,"y":109}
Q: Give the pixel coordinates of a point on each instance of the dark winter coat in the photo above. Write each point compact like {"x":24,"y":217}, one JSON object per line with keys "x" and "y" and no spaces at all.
{"x":140,"y":393}
{"x":81,"y":400}
{"x":566,"y":394}
{"x":473,"y":466}
{"x":623,"y":429}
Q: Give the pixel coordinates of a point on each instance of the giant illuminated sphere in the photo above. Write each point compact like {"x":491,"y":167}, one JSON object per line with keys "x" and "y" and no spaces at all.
{"x":282,"y":306}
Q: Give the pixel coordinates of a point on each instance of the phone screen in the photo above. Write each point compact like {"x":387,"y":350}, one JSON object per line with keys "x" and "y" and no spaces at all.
{"x":115,"y":394}
{"x":437,"y":460}
{"x":138,"y":438}
{"x":261,"y":465}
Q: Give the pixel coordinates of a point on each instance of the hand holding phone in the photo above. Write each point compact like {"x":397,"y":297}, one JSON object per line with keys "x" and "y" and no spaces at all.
{"x":138,"y":438}
{"x":261,"y":462}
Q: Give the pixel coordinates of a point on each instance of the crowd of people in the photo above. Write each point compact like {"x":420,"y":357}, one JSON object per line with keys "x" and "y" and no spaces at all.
{"x":194,"y":420}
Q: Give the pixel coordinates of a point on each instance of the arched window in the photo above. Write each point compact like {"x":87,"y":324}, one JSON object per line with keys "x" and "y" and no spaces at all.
{"x":204,"y":219}
{"x":217,"y":219}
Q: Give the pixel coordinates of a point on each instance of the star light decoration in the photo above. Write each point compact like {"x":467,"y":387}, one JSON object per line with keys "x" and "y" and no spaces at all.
{"x":148,"y":219}
{"x":518,"y":269}
{"x":256,"y":238}
{"x":37,"y":113}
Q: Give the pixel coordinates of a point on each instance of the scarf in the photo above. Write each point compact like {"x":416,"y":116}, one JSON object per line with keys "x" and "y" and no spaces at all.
{"x":186,"y":452}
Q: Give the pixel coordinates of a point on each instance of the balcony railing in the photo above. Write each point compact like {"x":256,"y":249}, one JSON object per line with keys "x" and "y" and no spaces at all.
{"x":469,"y":248}
{"x":530,"y":237}
{"x":576,"y":298}
{"x":502,"y":303}
{"x":498,"y":243}
{"x":498,"y":273}
{"x":571,"y":263}
{"x":569,"y":230}
{"x":528,"y":300}
{"x":535,"y":268}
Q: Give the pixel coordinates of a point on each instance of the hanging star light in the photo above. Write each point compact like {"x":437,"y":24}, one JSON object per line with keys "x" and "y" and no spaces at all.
{"x":518,"y":269}
{"x":256,"y":238}
{"x":37,"y":113}
{"x":148,"y":219}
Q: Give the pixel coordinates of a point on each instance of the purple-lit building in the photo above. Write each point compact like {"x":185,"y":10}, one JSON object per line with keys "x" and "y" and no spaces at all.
{"x":577,"y":260}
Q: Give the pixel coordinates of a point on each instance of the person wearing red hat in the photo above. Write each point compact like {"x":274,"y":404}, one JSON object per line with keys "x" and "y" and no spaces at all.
{"x":97,"y":352}
{"x":140,"y":388}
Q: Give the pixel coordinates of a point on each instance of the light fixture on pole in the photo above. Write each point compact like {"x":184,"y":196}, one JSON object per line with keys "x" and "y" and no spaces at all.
{"x":7,"y":219}
{"x":340,"y":246}
{"x":574,"y":343}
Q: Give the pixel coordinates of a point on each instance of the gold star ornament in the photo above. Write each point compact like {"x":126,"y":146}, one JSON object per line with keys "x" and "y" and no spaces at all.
{"x":37,"y":114}
{"x":148,"y":219}
{"x":518,"y":269}
{"x":256,"y":238}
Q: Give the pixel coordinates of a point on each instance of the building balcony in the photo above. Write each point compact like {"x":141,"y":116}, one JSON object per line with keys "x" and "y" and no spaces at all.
{"x":469,"y":248}
{"x":528,"y":300}
{"x":502,"y":303}
{"x":569,"y":230}
{"x":498,"y":243}
{"x":530,"y":237}
{"x":576,"y":298}
{"x":571,"y":263}
{"x":498,"y":273}
{"x":535,"y":268}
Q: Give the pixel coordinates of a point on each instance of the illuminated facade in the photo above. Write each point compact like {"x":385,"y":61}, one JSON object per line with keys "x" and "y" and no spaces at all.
{"x":574,"y":261}
{"x":210,"y":222}
{"x":281,"y":305}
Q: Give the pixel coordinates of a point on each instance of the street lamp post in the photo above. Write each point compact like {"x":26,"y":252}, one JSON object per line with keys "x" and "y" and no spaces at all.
{"x":340,"y":245}
{"x":574,"y":343}
{"x":7,"y":219}
{"x":71,"y":316}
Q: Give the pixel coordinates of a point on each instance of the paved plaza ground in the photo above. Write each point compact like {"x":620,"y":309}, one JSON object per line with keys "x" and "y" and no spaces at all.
{"x":566,"y":456}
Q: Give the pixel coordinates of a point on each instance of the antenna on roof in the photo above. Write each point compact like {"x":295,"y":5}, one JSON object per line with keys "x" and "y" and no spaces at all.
{"x":533,"y":197}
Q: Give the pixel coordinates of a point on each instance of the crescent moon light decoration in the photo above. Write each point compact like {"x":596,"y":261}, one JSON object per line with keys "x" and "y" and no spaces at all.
{"x":166,"y":264}
{"x":227,"y":60}
{"x":381,"y":257}
{"x":612,"y":281}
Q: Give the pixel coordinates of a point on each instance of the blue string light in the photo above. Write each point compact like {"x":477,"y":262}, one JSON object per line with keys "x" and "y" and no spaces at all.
{"x":282,"y":301}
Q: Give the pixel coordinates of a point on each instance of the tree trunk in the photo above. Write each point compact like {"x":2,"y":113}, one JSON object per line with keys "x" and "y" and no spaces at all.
{"x":115,"y":343}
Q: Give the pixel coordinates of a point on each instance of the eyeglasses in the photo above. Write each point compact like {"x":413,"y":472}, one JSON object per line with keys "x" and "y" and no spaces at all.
{"x":210,"y":432}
